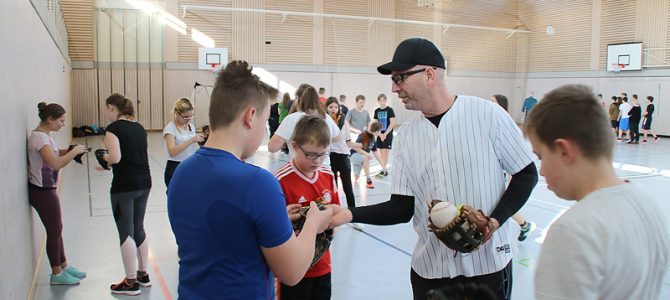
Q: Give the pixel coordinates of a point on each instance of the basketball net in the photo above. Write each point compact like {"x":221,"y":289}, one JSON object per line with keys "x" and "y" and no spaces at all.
{"x":616,"y":68}
{"x":215,"y":70}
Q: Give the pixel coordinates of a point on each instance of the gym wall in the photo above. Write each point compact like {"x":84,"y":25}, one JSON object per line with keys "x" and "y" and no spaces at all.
{"x":33,"y":70}
{"x":508,"y":64}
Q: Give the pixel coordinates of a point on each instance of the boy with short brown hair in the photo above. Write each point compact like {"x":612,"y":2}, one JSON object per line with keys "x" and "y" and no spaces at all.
{"x":304,"y":180}
{"x":613,"y":243}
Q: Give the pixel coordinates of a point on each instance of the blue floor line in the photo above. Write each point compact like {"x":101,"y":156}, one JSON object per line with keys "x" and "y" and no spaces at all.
{"x":381,"y":241}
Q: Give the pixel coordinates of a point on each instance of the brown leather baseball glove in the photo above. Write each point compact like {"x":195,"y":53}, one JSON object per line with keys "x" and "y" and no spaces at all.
{"x":465,"y":232}
{"x":323,"y":239}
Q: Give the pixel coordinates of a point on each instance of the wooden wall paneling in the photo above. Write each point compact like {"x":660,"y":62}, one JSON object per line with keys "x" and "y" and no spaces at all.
{"x":346,"y":41}
{"x":84,"y":97}
{"x":216,"y":25}
{"x":650,"y":28}
{"x":143,"y":33}
{"x":80,"y":24}
{"x":104,"y":90}
{"x":408,"y":10}
{"x":617,"y":25}
{"x":291,"y":41}
{"x":569,"y":48}
{"x":381,"y":35}
{"x":130,"y":55}
{"x":144,"y":95}
{"x":490,"y":13}
{"x":478,"y":50}
{"x":156,"y":98}
{"x":117,"y":51}
{"x":248,"y":32}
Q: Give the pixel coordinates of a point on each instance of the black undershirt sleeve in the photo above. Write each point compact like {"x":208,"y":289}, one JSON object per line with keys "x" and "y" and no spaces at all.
{"x":517,"y":193}
{"x":400,"y":209}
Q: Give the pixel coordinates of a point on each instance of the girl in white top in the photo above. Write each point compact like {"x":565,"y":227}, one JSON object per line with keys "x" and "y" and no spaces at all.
{"x":339,"y":152}
{"x":44,"y":162}
{"x":307,"y":103}
{"x":180,"y":137}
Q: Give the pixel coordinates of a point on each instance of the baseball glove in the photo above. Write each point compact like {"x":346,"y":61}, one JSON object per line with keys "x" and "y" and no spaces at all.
{"x":465,"y":232}
{"x":205,"y":133}
{"x":323,"y":239}
{"x":99,"y":153}
{"x":77,"y":157}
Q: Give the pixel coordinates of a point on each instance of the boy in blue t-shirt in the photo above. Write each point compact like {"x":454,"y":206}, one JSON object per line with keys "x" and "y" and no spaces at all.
{"x":229,"y":217}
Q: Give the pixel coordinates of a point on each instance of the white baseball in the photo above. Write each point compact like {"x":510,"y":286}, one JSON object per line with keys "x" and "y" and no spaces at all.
{"x":442,"y":213}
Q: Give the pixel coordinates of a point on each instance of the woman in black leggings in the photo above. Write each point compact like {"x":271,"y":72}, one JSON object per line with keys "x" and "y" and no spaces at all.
{"x":180,"y":137}
{"x":44,"y":162}
{"x":126,"y":141}
{"x":339,"y":152}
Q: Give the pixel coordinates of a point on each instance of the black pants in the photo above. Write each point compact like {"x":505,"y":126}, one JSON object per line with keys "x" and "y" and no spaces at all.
{"x":315,"y":288}
{"x":499,"y":282}
{"x":635,"y":131}
{"x":170,"y":166}
{"x":341,"y":166}
{"x":273,"y":124}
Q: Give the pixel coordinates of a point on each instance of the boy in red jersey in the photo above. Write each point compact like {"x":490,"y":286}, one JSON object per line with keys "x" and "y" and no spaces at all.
{"x":304,"y":180}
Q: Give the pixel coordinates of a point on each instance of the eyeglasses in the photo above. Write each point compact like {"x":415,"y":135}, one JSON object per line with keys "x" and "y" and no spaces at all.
{"x":313,"y":155}
{"x":399,"y":78}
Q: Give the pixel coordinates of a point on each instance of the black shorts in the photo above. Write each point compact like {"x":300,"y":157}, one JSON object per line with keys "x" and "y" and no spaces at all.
{"x":386,"y":144}
{"x":615,"y":124}
{"x":647,"y":124}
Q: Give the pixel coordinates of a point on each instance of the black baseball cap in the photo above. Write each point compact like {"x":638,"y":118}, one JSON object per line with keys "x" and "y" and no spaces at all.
{"x":412,"y":52}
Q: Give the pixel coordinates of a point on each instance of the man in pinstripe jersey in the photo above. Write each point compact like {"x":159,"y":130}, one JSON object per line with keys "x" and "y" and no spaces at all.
{"x":458,"y":150}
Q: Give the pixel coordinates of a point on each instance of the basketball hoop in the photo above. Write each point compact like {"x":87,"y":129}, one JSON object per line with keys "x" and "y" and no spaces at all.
{"x":215,"y":70}
{"x":616,"y":68}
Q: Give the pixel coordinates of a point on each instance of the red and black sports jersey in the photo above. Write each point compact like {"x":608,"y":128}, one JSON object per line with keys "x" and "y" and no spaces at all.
{"x":301,"y":189}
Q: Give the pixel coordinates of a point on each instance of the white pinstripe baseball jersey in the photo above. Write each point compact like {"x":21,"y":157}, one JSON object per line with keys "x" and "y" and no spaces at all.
{"x":462,"y":161}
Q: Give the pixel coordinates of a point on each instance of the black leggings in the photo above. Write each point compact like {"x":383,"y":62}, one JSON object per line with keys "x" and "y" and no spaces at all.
{"x":500,"y":283}
{"x":46,"y":203}
{"x":170,"y":166}
{"x":340,"y":163}
{"x":129,"y":209}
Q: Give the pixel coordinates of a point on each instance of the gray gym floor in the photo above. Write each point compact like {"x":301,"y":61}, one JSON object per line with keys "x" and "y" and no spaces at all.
{"x":369,"y":264}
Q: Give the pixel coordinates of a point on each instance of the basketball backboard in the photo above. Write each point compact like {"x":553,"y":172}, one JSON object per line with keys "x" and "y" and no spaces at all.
{"x":624,"y":57}
{"x":208,"y":57}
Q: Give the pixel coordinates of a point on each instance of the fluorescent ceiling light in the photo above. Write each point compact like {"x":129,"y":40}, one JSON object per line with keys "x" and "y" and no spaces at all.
{"x":202,"y":38}
{"x":145,"y":6}
{"x":175,"y":26}
{"x":151,"y":8}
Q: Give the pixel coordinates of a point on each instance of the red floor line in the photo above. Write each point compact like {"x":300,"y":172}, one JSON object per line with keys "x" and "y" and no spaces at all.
{"x":159,"y":276}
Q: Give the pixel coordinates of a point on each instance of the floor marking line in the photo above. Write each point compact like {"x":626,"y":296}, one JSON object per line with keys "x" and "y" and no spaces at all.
{"x":381,"y":241}
{"x":159,"y":276}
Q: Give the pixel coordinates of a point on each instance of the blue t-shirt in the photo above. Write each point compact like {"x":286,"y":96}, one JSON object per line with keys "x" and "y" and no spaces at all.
{"x":222,"y":211}
{"x":528,"y":104}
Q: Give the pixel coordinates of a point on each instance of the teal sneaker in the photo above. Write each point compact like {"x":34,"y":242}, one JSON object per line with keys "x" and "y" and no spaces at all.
{"x":63,"y":279}
{"x":74,"y":272}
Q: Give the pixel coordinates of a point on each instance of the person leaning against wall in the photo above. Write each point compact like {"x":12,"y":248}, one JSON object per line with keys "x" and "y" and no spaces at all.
{"x":44,"y":162}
